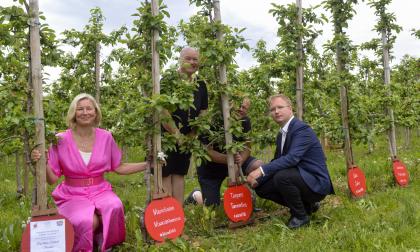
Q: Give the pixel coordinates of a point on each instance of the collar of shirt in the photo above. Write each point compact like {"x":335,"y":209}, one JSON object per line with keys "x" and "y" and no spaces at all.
{"x":285,"y":128}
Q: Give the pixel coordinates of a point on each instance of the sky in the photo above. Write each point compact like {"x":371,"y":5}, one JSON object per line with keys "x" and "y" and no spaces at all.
{"x":250,"y":14}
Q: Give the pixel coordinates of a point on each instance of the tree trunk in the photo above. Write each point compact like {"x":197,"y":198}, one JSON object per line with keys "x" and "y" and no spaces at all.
{"x":147,"y":173}
{"x":156,"y":117}
{"x":323,"y":140}
{"x":345,"y":122}
{"x":387,"y":79}
{"x":299,"y":67}
{"x":407,"y":137}
{"x":26,"y":173}
{"x":125,"y":153}
{"x":344,"y":110}
{"x":41,"y":195}
{"x":98,"y":72}
{"x":18,"y":170}
{"x":26,"y":138}
{"x":371,"y":145}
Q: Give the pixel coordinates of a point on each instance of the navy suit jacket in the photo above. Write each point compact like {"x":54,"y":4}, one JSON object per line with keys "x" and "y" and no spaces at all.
{"x":303,"y":150}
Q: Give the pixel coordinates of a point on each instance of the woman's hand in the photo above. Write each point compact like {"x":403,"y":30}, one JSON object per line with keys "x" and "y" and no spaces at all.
{"x":36,"y":155}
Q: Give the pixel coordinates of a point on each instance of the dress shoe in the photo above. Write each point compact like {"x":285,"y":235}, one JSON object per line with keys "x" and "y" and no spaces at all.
{"x":191,"y":199}
{"x":312,"y":208}
{"x":295,"y":222}
{"x":315,"y":207}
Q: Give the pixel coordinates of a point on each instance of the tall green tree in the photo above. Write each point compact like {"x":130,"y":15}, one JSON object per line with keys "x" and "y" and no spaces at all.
{"x":17,"y":120}
{"x":406,"y":81}
{"x":342,"y":11}
{"x":80,"y":68}
{"x":201,"y":32}
{"x":385,"y":27}
{"x":297,"y":35}
{"x":129,"y":115}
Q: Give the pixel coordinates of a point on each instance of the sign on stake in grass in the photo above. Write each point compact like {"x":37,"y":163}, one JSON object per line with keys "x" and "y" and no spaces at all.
{"x":164,"y":219}
{"x":357,"y":181}
{"x":400,"y":173}
{"x":237,"y":203}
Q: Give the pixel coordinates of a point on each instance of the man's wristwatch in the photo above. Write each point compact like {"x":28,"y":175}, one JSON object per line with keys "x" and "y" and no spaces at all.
{"x":262,"y":171}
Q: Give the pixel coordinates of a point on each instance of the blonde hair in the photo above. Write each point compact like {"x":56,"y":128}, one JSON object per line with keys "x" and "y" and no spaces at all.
{"x":71,"y":113}
{"x":282,"y":96}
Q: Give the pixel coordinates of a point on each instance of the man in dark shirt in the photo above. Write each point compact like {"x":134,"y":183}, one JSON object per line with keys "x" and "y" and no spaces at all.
{"x":177,"y":162}
{"x":211,"y":174}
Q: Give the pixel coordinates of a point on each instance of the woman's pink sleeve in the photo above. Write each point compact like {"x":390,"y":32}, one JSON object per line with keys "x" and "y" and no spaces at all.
{"x":116,"y":155}
{"x":53,"y":160}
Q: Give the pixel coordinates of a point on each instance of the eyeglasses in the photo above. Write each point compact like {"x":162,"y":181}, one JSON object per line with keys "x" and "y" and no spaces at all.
{"x":193,"y":59}
{"x":273,"y":109}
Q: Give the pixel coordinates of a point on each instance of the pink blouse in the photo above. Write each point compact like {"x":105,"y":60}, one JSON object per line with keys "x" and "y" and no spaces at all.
{"x":65,"y":159}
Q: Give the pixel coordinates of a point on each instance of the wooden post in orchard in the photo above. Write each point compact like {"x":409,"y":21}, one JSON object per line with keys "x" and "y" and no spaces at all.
{"x":156,"y":143}
{"x":355,"y":176}
{"x":399,"y":170}
{"x":166,"y":211}
{"x":41,"y":214}
{"x":299,"y":67}
{"x":225,"y":100}
{"x":387,"y":79}
{"x":237,"y":200}
{"x":18,"y":171}
{"x":35,"y":48}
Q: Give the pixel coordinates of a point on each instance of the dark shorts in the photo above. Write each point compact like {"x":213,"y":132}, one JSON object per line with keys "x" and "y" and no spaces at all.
{"x":246,"y":166}
{"x":176,"y":163}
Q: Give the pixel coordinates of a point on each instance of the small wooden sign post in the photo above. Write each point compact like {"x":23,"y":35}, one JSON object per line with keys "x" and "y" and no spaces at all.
{"x":47,"y":231}
{"x":164,"y":216}
{"x":237,"y":198}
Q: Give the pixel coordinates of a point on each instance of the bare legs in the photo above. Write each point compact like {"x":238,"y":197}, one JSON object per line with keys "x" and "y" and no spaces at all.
{"x":174,"y":186}
{"x":96,"y":222}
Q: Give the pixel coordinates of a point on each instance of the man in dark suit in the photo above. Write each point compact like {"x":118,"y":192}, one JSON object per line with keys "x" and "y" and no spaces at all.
{"x":297,"y":177}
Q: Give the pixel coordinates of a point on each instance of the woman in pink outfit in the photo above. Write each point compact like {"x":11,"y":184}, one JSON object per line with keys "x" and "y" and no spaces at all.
{"x":83,"y":154}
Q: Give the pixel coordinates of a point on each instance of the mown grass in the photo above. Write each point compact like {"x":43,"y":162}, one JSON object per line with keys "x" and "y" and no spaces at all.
{"x":386,"y":219}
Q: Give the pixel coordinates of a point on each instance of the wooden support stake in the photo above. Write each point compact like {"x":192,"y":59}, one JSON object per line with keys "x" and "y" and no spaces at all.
{"x":35,"y":46}
{"x":299,"y":67}
{"x":157,"y":148}
{"x":225,"y":99}
{"x":387,"y":79}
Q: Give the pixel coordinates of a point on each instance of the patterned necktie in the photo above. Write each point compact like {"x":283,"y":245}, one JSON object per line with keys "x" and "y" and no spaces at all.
{"x":283,"y":139}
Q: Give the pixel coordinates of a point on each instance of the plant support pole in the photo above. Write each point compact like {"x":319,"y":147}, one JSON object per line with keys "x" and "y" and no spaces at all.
{"x":387,"y":79}
{"x":156,"y":118}
{"x":225,"y":98}
{"x":299,"y":67}
{"x":344,"y":110}
{"x":35,"y":45}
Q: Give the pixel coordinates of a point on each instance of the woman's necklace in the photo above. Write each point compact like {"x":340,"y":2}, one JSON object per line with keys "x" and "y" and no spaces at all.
{"x":85,"y":143}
